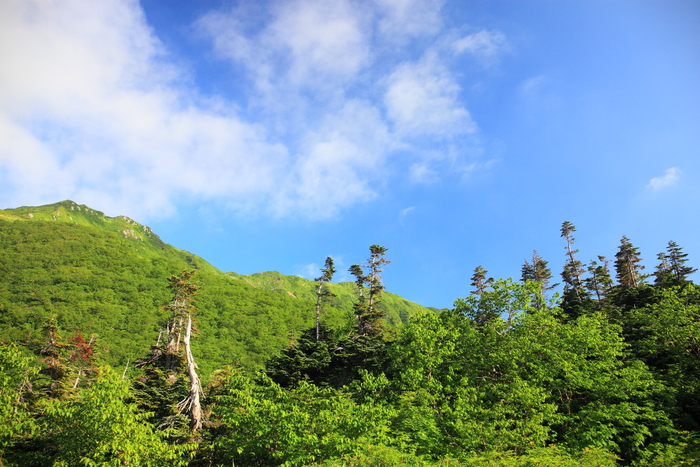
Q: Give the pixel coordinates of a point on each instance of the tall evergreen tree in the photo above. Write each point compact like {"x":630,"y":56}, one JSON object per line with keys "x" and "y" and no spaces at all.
{"x":164,"y":381}
{"x":327,"y":275}
{"x":573,"y":268}
{"x":672,"y":269}
{"x":537,"y":271}
{"x":479,"y":280}
{"x":627,"y":265}
{"x":366,"y":311}
{"x":599,"y":282}
{"x":662,"y":275}
{"x":182,"y":307}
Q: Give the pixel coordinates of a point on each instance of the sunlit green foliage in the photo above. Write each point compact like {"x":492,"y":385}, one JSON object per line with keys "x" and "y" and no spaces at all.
{"x":85,"y":270}
{"x":264,"y":424}
{"x":16,"y":375}
{"x":608,"y":376}
{"x":101,"y":428}
{"x":497,"y":374}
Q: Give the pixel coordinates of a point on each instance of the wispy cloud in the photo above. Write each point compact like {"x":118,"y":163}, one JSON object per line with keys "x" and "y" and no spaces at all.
{"x":404,"y":213}
{"x":486,"y":45}
{"x":422,"y":173}
{"x":668,"y":179}
{"x":93,"y":108}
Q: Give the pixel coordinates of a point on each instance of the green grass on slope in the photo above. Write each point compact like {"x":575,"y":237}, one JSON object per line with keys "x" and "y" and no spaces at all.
{"x":397,"y":309}
{"x":100,"y":283}
{"x":107,"y":276}
{"x":148,"y":244}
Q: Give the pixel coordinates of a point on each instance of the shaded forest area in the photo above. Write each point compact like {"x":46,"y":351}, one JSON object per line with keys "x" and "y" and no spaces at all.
{"x":606,"y":374}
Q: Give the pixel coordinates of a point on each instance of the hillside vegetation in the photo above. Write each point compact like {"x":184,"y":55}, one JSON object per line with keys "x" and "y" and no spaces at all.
{"x":606,"y":374}
{"x":107,"y":277}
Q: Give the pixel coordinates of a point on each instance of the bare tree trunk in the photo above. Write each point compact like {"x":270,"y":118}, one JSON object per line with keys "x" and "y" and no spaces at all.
{"x":126,"y":368}
{"x":194,"y":405}
{"x":318,"y":310}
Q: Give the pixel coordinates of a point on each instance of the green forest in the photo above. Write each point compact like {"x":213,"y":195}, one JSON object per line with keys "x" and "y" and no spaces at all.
{"x":118,"y":349}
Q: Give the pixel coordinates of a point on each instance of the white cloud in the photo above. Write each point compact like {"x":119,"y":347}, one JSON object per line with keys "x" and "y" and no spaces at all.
{"x":91,"y":113}
{"x":420,"y":172}
{"x":92,"y":109}
{"x":486,"y":45}
{"x":403,"y":19}
{"x":306,"y":44}
{"x":423,"y":99}
{"x":668,"y":179}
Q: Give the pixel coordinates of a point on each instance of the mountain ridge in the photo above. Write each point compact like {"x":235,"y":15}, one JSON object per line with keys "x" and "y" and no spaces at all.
{"x":107,"y":276}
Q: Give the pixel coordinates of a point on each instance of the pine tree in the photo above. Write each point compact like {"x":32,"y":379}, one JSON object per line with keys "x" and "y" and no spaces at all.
{"x":663,"y":276}
{"x":480,"y":281}
{"x":537,"y":271}
{"x":599,"y":283}
{"x":677,"y":260}
{"x":53,"y":357}
{"x":66,"y":363}
{"x":366,"y":311}
{"x":164,"y":368}
{"x":182,"y":308}
{"x":573,"y":269}
{"x":672,"y":269}
{"x":627,"y":265}
{"x":328,"y":270}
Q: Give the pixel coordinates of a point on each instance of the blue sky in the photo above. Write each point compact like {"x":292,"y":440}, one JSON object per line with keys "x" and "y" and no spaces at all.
{"x":269,"y":135}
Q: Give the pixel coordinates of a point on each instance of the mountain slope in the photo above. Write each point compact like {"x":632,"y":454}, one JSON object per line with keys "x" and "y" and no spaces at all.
{"x":396,"y":308}
{"x":107,"y":276}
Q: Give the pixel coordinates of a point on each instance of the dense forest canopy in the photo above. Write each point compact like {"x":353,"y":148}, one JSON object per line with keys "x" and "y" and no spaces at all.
{"x":106,"y":331}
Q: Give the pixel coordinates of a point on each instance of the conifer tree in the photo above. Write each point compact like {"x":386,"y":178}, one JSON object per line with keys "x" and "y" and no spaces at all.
{"x":374,"y":278}
{"x":672,"y":269}
{"x":327,"y":275}
{"x":66,"y":363}
{"x":366,"y":311}
{"x":662,"y":275}
{"x":599,"y":282}
{"x":573,"y":269}
{"x":163,"y":380}
{"x":182,"y":308}
{"x":537,"y":271}
{"x":480,"y":281}
{"x":627,"y":265}
{"x":53,"y":357}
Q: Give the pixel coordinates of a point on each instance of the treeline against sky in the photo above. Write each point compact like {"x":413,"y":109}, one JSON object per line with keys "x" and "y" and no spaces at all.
{"x":607,"y":374}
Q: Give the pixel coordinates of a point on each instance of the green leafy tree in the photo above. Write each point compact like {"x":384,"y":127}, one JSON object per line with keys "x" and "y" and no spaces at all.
{"x":16,"y":393}
{"x":519,"y":384}
{"x":666,"y":334}
{"x":456,"y":397}
{"x":264,"y":424}
{"x":101,"y":428}
{"x":501,"y":306}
